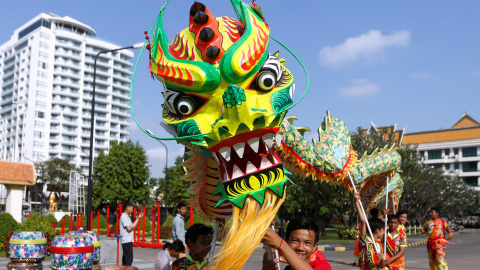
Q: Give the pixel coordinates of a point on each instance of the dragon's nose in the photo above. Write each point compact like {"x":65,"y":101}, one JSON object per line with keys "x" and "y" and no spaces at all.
{"x":233,"y":96}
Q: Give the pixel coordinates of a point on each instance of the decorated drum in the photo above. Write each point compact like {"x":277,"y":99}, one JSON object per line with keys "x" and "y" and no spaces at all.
{"x":96,"y":245}
{"x":72,"y":252}
{"x":28,"y":247}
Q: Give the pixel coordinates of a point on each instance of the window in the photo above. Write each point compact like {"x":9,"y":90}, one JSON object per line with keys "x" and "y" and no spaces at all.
{"x":41,"y":94}
{"x":42,"y":74}
{"x":40,"y":114}
{"x":469,"y":166}
{"x":42,"y":65}
{"x":37,"y":155}
{"x":37,"y":144}
{"x":39,"y":134}
{"x":469,"y":152}
{"x":40,"y":104}
{"x":455,"y":151}
{"x":435,"y":154}
{"x":437,"y":166}
{"x":471,"y":181}
{"x":44,"y":45}
{"x":39,"y":124}
{"x":456,"y":165}
{"x":43,"y":55}
{"x":42,"y":84}
{"x":447,"y":152}
{"x":44,"y":36}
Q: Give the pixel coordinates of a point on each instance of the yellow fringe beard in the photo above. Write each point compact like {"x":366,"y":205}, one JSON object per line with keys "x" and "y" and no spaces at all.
{"x":248,"y":228}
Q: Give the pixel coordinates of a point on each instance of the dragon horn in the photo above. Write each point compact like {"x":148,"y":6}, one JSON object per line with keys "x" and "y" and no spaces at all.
{"x":193,"y":76}
{"x":246,"y":55}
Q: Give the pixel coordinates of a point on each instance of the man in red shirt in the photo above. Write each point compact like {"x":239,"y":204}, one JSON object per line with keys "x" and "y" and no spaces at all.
{"x":300,"y":247}
{"x":435,"y":230}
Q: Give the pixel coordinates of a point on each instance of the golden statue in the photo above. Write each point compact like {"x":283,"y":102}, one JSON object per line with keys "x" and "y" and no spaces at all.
{"x":53,"y":204}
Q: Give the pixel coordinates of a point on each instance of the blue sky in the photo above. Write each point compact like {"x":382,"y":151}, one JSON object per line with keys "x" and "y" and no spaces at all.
{"x":413,"y":63}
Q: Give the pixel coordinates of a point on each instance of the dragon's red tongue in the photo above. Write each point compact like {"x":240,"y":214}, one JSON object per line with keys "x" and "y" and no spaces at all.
{"x":247,"y":157}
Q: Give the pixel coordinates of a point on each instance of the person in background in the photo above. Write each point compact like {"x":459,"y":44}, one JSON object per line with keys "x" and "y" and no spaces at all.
{"x":164,"y":257}
{"x":435,"y":230}
{"x":403,"y":215}
{"x":199,"y":240}
{"x":396,"y":244}
{"x":370,"y":258}
{"x":126,"y":231}
{"x":178,"y":225}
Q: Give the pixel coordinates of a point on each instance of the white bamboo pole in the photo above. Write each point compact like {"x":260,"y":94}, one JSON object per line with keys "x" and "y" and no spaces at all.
{"x":386,"y":217}
{"x":214,"y":241}
{"x":363,"y":212}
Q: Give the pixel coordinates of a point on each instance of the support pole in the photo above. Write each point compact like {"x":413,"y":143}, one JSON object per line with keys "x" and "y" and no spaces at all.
{"x":135,"y":238}
{"x":153,"y":225}
{"x":363,"y":212}
{"x":214,"y":241}
{"x":71,"y":223}
{"x":63,"y":226}
{"x":158,"y":223}
{"x":191,"y":214}
{"x":386,"y":218}
{"x":143,"y":225}
{"x":98,"y":223}
{"x":108,"y":219}
{"x":91,"y":220}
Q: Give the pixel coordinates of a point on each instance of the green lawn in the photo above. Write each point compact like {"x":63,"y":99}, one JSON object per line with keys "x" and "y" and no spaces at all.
{"x":330,"y":235}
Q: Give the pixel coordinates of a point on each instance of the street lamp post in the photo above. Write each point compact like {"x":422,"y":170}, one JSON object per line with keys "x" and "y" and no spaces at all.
{"x":92,"y":120}
{"x":166,"y":167}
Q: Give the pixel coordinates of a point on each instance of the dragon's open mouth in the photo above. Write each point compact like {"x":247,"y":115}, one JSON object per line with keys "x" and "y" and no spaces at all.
{"x":247,"y":158}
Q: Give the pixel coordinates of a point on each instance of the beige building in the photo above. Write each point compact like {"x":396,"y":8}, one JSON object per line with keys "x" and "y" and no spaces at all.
{"x":455,"y":150}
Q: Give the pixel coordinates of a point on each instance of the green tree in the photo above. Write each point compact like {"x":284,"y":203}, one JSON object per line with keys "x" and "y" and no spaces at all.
{"x":177,"y":188}
{"x":121,"y":175}
{"x":55,"y":172}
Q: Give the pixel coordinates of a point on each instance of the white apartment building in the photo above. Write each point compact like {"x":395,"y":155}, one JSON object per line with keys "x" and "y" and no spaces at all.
{"x":46,"y":79}
{"x":455,"y":150}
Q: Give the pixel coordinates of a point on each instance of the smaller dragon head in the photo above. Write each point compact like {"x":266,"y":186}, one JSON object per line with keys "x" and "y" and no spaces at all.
{"x":226,"y":96}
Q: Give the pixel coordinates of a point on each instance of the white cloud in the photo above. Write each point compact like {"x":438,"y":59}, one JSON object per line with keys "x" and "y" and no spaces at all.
{"x":360,"y":88}
{"x":156,"y":158}
{"x":369,"y":46}
{"x":422,"y":76}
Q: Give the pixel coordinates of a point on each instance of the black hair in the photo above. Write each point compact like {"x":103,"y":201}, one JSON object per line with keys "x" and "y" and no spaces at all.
{"x":180,"y":205}
{"x":436,"y":209}
{"x":126,"y":205}
{"x":376,"y":224}
{"x":402,"y":212}
{"x":303,"y":223}
{"x":374,"y":213}
{"x":196,"y":230}
{"x":177,"y":245}
{"x":391,"y":217}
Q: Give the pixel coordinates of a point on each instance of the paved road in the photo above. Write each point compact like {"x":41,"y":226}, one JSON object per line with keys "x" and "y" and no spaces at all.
{"x":462,"y":253}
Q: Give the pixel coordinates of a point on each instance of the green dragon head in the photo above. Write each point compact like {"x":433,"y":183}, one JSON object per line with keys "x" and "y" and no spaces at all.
{"x":227,"y":95}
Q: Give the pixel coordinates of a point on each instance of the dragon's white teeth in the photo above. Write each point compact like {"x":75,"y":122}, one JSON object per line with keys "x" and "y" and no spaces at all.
{"x":225,"y":152}
{"x":278,"y":139}
{"x":250,"y":167}
{"x":239,"y":148}
{"x":225,"y":177}
{"x":265,"y":163}
{"x":291,"y":90}
{"x":268,"y":139}
{"x":236,"y":172}
{"x":254,"y":143}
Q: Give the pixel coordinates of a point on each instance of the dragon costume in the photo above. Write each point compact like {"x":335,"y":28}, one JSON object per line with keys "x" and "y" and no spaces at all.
{"x":226,"y":100}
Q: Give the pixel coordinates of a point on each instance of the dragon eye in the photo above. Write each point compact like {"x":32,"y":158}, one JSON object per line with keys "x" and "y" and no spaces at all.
{"x":266,"y":80}
{"x":185,"y":106}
